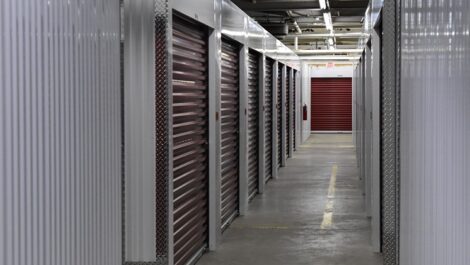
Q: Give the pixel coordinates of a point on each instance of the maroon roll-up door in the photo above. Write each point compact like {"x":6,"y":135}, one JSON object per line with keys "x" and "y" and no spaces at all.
{"x":268,"y":116}
{"x":190,"y":139}
{"x":331,"y":105}
{"x":279,"y":114}
{"x":253,"y":123}
{"x":229,"y":132}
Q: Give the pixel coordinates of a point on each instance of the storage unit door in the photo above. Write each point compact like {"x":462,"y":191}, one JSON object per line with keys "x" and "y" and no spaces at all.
{"x":230,"y":132}
{"x":294,"y":107}
{"x":331,"y":104}
{"x":279,"y":114}
{"x":268,"y":116}
{"x":190,"y":139}
{"x":253,"y":123}
{"x":287,"y":133}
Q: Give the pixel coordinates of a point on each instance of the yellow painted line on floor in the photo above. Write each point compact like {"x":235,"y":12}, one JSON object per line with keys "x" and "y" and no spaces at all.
{"x":332,"y":187}
{"x":327,"y":220}
{"x":329,"y":206}
{"x":328,"y":212}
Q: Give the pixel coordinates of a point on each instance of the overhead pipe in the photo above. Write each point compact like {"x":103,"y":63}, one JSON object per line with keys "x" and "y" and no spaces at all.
{"x":297,"y":28}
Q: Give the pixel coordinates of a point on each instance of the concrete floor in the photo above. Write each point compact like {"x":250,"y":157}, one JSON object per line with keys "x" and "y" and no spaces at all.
{"x":290,"y":223}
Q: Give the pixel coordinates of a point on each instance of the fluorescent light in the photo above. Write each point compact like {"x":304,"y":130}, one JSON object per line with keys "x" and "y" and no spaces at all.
{"x":306,"y":52}
{"x":325,"y":35}
{"x":323,"y":4}
{"x":332,"y":57}
{"x":328,"y":21}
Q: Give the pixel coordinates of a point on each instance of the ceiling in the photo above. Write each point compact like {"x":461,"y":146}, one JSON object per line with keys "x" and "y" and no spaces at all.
{"x":304,"y":21}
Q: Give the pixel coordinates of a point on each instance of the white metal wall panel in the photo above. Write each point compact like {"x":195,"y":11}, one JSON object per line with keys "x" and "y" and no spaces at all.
{"x":376,"y":133}
{"x":306,"y":100}
{"x":60,"y":133}
{"x":200,"y":10}
{"x":139,"y":131}
{"x":368,"y":128}
{"x":435,"y":127}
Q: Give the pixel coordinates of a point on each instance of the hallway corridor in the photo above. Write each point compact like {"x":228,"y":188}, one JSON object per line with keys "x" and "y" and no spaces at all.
{"x":295,"y":222}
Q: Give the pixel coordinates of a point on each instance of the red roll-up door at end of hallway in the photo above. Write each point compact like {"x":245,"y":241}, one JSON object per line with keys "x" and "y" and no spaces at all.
{"x":331,"y":105}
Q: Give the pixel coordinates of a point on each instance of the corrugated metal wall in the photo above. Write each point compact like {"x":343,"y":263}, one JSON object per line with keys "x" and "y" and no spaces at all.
{"x":139,"y":130}
{"x":435,"y":129}
{"x":60,"y":133}
{"x":368,"y":128}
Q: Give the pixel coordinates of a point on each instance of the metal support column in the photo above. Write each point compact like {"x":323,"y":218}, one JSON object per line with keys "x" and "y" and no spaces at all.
{"x":376,"y":178}
{"x":148,"y":129}
{"x":215,"y":46}
{"x":391,"y":131}
{"x":243,"y":131}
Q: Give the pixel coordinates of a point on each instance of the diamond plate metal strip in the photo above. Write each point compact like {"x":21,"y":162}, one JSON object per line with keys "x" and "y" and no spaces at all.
{"x":397,"y":127}
{"x":163,"y":106}
{"x":123,"y":139}
{"x":390,"y":131}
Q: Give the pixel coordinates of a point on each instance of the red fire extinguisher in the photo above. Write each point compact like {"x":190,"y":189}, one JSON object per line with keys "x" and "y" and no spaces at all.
{"x":305,"y":112}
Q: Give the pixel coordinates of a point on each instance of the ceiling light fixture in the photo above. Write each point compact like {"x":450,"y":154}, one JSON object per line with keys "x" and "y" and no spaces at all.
{"x":328,"y":21}
{"x":335,"y":51}
{"x":331,"y":42}
{"x":323,"y":4}
{"x":331,"y":57}
{"x":325,"y":35}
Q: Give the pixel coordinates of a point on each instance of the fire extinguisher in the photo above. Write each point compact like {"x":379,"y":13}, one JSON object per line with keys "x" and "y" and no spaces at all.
{"x":304,"y":110}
